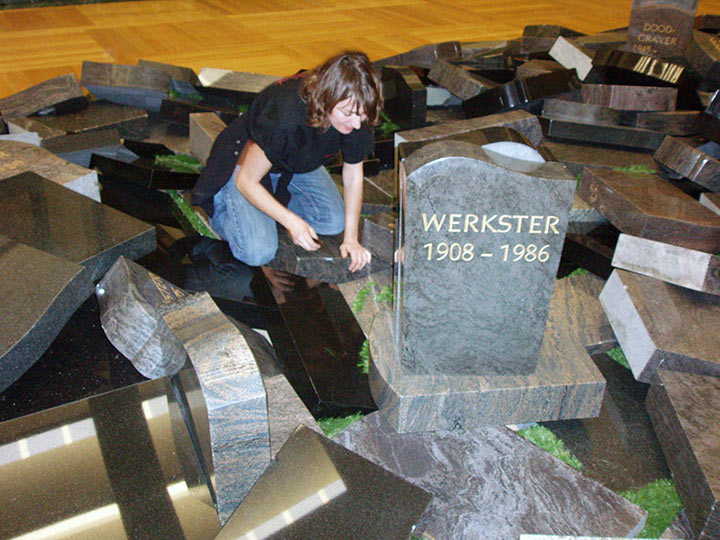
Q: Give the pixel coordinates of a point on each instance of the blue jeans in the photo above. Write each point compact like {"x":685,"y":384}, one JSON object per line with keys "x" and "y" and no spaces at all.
{"x":252,"y":234}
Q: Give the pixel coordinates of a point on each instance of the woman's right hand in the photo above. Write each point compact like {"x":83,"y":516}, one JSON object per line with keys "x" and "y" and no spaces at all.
{"x":302,"y":234}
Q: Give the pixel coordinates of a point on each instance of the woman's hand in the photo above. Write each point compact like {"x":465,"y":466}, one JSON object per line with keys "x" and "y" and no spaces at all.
{"x":302,"y":234}
{"x":359,"y":256}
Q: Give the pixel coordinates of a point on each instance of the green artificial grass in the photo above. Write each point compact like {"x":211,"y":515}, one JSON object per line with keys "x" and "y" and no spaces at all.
{"x":617,"y":354}
{"x":635,"y":169}
{"x":188,"y":215}
{"x":332,"y":426}
{"x":364,"y":355}
{"x":385,"y":295}
{"x":386,"y":127}
{"x":179,"y":163}
{"x":546,"y":439}
{"x":242,"y":109}
{"x":662,"y":503}
{"x":358,"y":302}
{"x":578,"y":272}
{"x":196,"y":98}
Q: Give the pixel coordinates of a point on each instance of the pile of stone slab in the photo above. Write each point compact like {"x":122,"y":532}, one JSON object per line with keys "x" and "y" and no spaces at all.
{"x":513,"y":160}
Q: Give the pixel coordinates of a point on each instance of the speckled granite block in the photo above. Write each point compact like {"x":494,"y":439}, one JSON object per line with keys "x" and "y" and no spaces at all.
{"x":315,"y":488}
{"x":679,"y":529}
{"x":630,"y":98}
{"x":237,"y":81}
{"x":424,"y":56}
{"x":680,"y":157}
{"x":649,"y":206}
{"x":233,"y":394}
{"x":508,"y":228}
{"x":683,"y":409}
{"x":688,"y":268}
{"x":44,"y":215}
{"x":661,"y":28}
{"x":132,"y":303}
{"x":461,"y":82}
{"x":621,"y":136}
{"x":18,"y":157}
{"x":131,"y":122}
{"x":39,"y":293}
{"x":79,"y":147}
{"x":576,"y":157}
{"x":135,"y":86}
{"x":521,"y":121}
{"x":659,"y":324}
{"x":566,"y":384}
{"x":492,"y":484}
{"x":204,"y":129}
{"x":55,"y":91}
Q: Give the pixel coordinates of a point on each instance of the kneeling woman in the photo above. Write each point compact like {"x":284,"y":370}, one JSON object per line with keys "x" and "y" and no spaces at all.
{"x":267,"y":166}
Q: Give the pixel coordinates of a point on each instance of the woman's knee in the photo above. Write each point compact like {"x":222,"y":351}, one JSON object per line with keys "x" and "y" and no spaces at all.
{"x":254,"y":254}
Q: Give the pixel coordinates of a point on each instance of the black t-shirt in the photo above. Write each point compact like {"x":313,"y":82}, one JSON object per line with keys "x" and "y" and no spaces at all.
{"x":276,"y":122}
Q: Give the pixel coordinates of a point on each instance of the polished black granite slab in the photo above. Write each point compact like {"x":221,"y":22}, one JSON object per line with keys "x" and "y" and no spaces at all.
{"x":49,"y":217}
{"x":117,"y":465}
{"x":315,"y":488}
{"x":39,"y":293}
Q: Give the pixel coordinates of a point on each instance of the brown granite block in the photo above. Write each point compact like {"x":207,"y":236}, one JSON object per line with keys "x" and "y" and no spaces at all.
{"x":41,"y":96}
{"x":683,"y":409}
{"x":661,"y":28}
{"x":576,"y":156}
{"x":630,"y":98}
{"x":461,"y":82}
{"x":672,"y":122}
{"x":204,"y":129}
{"x":424,"y":56}
{"x":692,"y":163}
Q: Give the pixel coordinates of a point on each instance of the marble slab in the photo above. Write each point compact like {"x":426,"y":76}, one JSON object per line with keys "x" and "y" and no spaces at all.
{"x":135,"y":86}
{"x":325,"y":264}
{"x":521,"y":121}
{"x":121,"y":465}
{"x":18,"y":157}
{"x":660,"y":324}
{"x":576,"y":157}
{"x":650,"y":207}
{"x":64,"y":92}
{"x":661,"y":28}
{"x":131,"y":122}
{"x":491,"y":483}
{"x":40,"y":292}
{"x":204,"y":129}
{"x":570,"y":55}
{"x":315,"y":488}
{"x":133,"y":303}
{"x":566,"y":384}
{"x":453,"y":228}
{"x":688,"y":268}
{"x":46,"y":216}
{"x":630,"y":98}
{"x":620,"y":136}
{"x":233,"y":393}
{"x":692,"y":163}
{"x":408,"y":105}
{"x":521,"y":93}
{"x":424,"y":56}
{"x":460,"y":82}
{"x":683,"y":409}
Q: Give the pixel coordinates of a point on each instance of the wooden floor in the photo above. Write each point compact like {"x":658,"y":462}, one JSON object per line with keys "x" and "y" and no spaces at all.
{"x":268,"y":36}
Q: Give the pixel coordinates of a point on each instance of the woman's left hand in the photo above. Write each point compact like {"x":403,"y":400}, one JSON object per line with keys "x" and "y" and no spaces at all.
{"x":359,"y":256}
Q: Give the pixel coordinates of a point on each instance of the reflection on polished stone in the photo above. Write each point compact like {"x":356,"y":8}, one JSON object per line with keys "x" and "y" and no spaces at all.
{"x":39,"y":294}
{"x":491,"y":484}
{"x":315,"y":488}
{"x":119,"y":465}
{"x":46,"y":216}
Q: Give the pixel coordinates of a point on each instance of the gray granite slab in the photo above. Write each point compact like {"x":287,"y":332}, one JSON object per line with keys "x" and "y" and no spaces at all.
{"x":585,"y":132}
{"x":661,"y":28}
{"x":583,"y":218}
{"x":179,"y":73}
{"x":660,"y":324}
{"x":39,"y":293}
{"x":424,"y":56}
{"x":78,"y":148}
{"x":131,"y":122}
{"x":42,"y":96}
{"x":204,"y":129}
{"x":682,"y":158}
{"x":470,"y":211}
{"x":378,"y":234}
{"x":24,"y":124}
{"x":683,"y":409}
{"x":570,"y":55}
{"x":630,"y":98}
{"x":688,"y":268}
{"x":521,"y":121}
{"x":556,"y":537}
{"x":460,"y":82}
{"x":649,"y":206}
{"x":18,"y":157}
{"x":135,"y":86}
{"x":132,"y":304}
{"x":233,"y":394}
{"x":47,"y":216}
{"x":577,"y":156}
{"x":566,"y":384}
{"x":490,"y":483}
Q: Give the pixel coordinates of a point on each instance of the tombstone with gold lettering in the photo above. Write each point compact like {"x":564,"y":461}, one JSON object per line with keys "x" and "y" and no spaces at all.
{"x":661,"y":27}
{"x":482,"y":227}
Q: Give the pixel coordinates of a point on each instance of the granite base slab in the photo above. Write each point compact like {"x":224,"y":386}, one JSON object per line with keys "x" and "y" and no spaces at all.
{"x":659,"y":324}
{"x":622,"y":136}
{"x":131,"y":122}
{"x":62,"y":91}
{"x":490,"y":483}
{"x":683,"y":409}
{"x":18,"y":157}
{"x":689,"y":268}
{"x":565,"y":385}
{"x":40,"y":292}
{"x":577,"y":156}
{"x":42,"y":214}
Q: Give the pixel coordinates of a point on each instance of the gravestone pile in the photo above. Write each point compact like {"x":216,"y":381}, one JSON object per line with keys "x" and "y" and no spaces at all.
{"x":499,"y":166}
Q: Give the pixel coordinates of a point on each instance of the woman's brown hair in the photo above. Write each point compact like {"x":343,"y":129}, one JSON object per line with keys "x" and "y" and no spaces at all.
{"x":346,"y":76}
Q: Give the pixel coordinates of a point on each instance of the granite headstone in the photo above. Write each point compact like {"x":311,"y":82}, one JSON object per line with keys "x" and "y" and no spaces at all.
{"x":661,"y":28}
